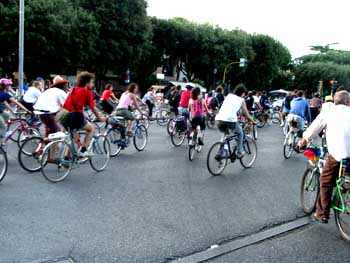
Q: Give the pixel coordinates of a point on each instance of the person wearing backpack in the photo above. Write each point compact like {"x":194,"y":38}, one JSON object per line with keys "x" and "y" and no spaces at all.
{"x":286,"y":107}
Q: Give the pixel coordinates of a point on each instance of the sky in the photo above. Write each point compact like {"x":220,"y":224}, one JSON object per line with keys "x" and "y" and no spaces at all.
{"x":298,"y":24}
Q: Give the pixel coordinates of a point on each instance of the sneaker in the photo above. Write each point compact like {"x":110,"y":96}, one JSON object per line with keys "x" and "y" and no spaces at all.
{"x":240,"y":155}
{"x":200,"y":142}
{"x":86,"y":154}
{"x":282,"y":124}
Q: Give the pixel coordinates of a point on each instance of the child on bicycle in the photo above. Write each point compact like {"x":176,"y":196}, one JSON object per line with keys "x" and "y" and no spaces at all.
{"x":197,"y":108}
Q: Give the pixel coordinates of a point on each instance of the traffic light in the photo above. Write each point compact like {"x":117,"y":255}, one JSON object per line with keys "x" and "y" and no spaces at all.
{"x":331,"y":82}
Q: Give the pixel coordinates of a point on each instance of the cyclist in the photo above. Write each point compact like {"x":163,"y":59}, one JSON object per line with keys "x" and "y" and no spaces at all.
{"x":227,"y":116}
{"x":149,"y":99}
{"x":174,"y":99}
{"x":107,"y":94}
{"x":218,"y":99}
{"x":127,"y":99}
{"x":5,"y":99}
{"x":336,"y":121}
{"x":185,"y":99}
{"x":315,"y":105}
{"x":299,"y":111}
{"x":49,"y":103}
{"x":197,"y":107}
{"x":80,"y":97}
{"x":286,"y":107}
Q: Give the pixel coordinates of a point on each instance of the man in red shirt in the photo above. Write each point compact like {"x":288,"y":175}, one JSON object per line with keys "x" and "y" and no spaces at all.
{"x":185,"y":99}
{"x":80,"y":97}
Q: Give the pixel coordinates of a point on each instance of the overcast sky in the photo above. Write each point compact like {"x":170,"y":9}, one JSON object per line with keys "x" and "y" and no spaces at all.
{"x":297,"y":24}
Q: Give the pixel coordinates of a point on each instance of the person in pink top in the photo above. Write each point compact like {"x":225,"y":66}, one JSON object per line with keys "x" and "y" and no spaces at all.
{"x":185,"y":99}
{"x":127,"y":99}
{"x":197,"y":107}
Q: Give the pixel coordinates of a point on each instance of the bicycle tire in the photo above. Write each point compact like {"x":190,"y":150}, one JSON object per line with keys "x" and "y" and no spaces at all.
{"x":339,"y":222}
{"x":25,"y":134}
{"x":220,"y":156}
{"x":162,"y":117}
{"x":113,"y":135}
{"x":180,"y":135}
{"x":210,"y":122}
{"x":14,"y":137}
{"x":3,"y":164}
{"x":170,"y":126}
{"x":47,"y":167}
{"x":288,"y":148}
{"x":255,"y":132}
{"x":140,"y":133}
{"x":251,"y":149}
{"x":260,"y":122}
{"x":276,"y":118}
{"x":309,"y":208}
{"x":191,"y":151}
{"x":34,"y":152}
{"x":100,"y":147}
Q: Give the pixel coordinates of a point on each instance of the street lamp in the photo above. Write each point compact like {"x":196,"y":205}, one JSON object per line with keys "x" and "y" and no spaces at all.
{"x":21,"y":48}
{"x":215,"y":71}
{"x":242,"y":62}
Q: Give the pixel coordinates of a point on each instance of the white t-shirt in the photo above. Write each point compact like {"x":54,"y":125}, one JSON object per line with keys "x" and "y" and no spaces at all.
{"x":32,"y":95}
{"x":228,"y":111}
{"x":50,"y":101}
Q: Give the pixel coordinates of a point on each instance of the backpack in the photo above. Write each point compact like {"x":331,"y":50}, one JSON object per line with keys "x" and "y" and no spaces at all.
{"x":214,"y":103}
{"x":264,"y":101}
{"x":250,"y":103}
{"x":288,"y":101}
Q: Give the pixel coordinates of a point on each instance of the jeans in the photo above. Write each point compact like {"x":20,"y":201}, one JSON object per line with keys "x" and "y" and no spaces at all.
{"x":224,"y":125}
{"x":299,"y":120}
{"x":185,"y":112}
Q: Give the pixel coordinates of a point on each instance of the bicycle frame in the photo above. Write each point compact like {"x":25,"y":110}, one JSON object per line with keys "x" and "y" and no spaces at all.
{"x":338,"y":194}
{"x":20,"y":126}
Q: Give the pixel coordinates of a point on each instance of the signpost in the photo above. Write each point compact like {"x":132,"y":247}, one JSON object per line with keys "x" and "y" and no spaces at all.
{"x":21,"y":48}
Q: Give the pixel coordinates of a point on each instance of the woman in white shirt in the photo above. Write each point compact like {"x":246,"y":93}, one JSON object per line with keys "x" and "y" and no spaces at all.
{"x":50,"y":102}
{"x":32,"y":95}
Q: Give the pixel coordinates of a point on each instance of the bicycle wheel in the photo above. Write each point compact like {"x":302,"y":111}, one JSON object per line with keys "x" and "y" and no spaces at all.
{"x":260,"y":121}
{"x":25,"y":134}
{"x":140,"y":138}
{"x":251,"y":152}
{"x":276,"y":118}
{"x":162,"y":117}
{"x":114,"y":137}
{"x":102,"y":152}
{"x":342,"y":218}
{"x":57,"y":161}
{"x":29,"y":154}
{"x":145,"y":122}
{"x":11,"y":127}
{"x":171,"y":126}
{"x":310,"y":189}
{"x":288,"y":147}
{"x":217,"y":159}
{"x":177,"y":138}
{"x":3,"y":164}
{"x":210,"y":122}
{"x":191,"y":152}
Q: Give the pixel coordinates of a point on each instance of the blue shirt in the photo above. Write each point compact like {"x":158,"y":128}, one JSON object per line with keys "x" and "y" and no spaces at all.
{"x":300,"y":107}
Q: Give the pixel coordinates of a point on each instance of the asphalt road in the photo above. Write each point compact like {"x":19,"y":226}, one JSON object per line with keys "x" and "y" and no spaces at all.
{"x":152,"y":206}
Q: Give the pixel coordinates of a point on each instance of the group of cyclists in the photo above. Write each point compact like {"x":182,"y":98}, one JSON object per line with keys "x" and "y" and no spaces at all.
{"x":60,"y":107}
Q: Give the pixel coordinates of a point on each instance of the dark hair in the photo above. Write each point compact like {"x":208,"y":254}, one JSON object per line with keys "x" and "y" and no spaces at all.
{"x":132,"y":87}
{"x":178,"y":87}
{"x":239,"y":90}
{"x":341,"y":88}
{"x":36,"y":83}
{"x":195,"y":93}
{"x":300,"y":93}
{"x":219,"y":90}
{"x":254,"y":92}
{"x":84,"y":78}
{"x":210,"y":94}
{"x":108,"y":86}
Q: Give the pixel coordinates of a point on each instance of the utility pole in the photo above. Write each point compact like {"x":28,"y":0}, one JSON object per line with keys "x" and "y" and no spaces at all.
{"x":21,"y":48}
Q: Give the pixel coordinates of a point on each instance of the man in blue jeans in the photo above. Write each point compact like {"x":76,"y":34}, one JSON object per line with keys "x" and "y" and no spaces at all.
{"x":299,"y":111}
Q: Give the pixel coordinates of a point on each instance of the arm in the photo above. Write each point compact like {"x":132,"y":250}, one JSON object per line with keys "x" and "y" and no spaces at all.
{"x":19,"y":105}
{"x":190,"y":105}
{"x":9,"y":108}
{"x":205,"y":106}
{"x":307,"y":113}
{"x":135,"y":102}
{"x":315,"y":128}
{"x":246,"y":113}
{"x":97,"y":114}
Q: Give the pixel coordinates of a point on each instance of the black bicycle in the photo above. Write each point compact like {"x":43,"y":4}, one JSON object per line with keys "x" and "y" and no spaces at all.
{"x":221,"y":152}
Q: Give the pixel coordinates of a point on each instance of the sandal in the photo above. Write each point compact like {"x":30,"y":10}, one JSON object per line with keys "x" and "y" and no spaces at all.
{"x":322,"y":219}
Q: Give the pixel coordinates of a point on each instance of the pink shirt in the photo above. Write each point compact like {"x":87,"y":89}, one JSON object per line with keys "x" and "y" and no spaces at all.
{"x":125,"y":101}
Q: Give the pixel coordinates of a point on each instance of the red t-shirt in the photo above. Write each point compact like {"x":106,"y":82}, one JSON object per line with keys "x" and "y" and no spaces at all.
{"x":106,"y":95}
{"x":79,"y":98}
{"x":185,"y":98}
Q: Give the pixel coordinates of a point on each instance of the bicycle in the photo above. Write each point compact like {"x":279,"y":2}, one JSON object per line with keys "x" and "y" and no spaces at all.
{"x":341,"y":195}
{"x":267,"y":116}
{"x":193,"y":142}
{"x":21,"y":131}
{"x":61,"y":155}
{"x":119,"y":139}
{"x":178,"y":130}
{"x":291,"y":140}
{"x":210,"y":120}
{"x":224,"y":150}
{"x":248,"y":128}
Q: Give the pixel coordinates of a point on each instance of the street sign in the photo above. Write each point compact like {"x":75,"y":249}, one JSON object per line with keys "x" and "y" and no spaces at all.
{"x":242,"y":62}
{"x":160,"y":76}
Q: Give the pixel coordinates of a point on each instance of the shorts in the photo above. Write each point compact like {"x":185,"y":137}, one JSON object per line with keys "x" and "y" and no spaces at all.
{"x":198,"y":121}
{"x":76,"y":121}
{"x":50,"y":122}
{"x":125,"y":113}
{"x":106,"y":107}
{"x":226,"y":125}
